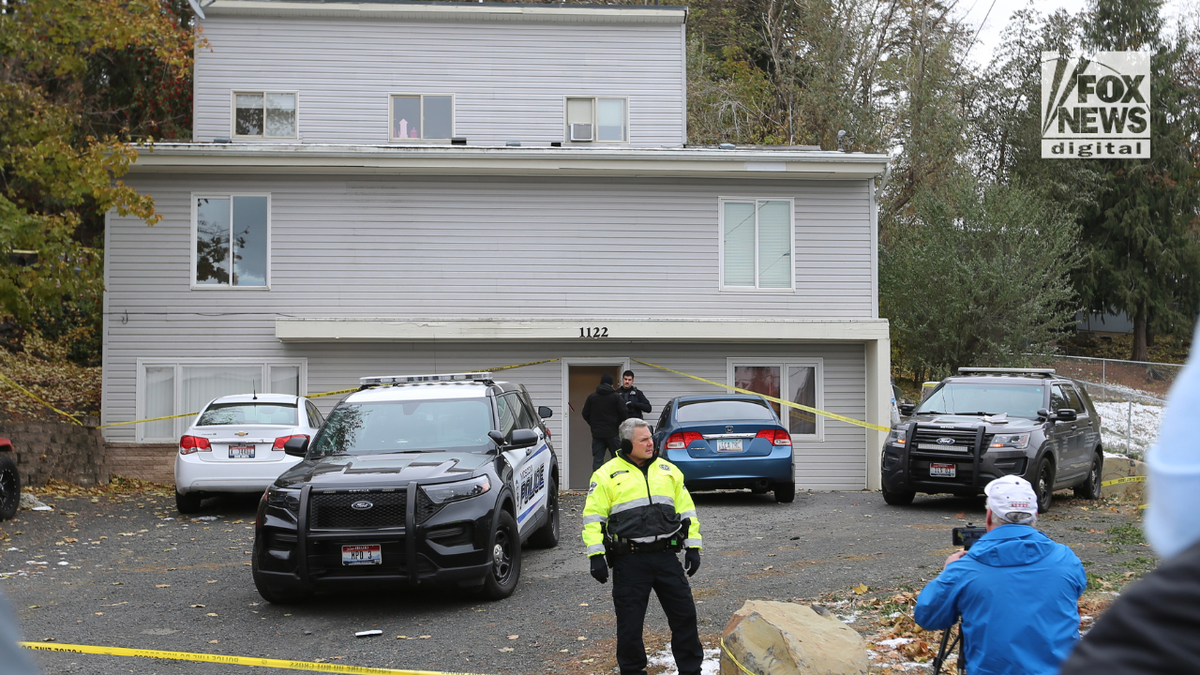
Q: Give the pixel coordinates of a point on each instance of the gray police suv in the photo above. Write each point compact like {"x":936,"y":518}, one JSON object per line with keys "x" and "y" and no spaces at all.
{"x":412,"y":480}
{"x":991,"y":422}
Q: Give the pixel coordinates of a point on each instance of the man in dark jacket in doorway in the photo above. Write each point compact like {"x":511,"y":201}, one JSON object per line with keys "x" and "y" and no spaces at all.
{"x":635,"y":401}
{"x":604,"y":411}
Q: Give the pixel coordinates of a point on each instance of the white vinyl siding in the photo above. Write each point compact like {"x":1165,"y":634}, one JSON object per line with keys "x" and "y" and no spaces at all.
{"x":757,"y":244}
{"x":509,"y":81}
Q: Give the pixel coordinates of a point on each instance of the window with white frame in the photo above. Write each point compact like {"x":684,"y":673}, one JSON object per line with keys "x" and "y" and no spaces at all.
{"x":596,"y":119}
{"x":757,"y":240}
{"x":264,"y":114}
{"x":231,"y":237}
{"x":422,"y":117}
{"x":796,"y":380}
{"x":166,"y":389}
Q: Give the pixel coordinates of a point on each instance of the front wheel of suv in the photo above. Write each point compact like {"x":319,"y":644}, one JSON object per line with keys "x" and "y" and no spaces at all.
{"x":1092,"y":487}
{"x":1044,"y":485}
{"x":505,"y":573}
{"x":270,"y":592}
{"x":898,"y":498}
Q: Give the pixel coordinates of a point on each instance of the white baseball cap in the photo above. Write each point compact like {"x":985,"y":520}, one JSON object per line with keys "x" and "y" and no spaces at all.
{"x":1012,"y":499}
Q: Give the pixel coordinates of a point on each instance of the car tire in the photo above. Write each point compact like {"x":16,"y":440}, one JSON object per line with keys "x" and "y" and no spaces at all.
{"x":10,"y":486}
{"x":1043,"y":484}
{"x":546,"y":536}
{"x":1091,"y":487}
{"x":898,"y":498}
{"x":505,"y":553}
{"x":270,"y":592}
{"x":188,"y":503}
{"x":785,"y":493}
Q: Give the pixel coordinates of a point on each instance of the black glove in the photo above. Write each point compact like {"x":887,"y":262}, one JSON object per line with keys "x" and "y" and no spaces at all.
{"x":691,"y":561}
{"x":600,"y":568}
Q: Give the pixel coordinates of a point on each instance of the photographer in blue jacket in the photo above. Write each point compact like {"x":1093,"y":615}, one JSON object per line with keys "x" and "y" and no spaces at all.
{"x":1016,"y":590}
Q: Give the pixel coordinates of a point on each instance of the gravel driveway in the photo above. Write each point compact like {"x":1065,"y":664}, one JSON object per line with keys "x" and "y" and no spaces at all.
{"x":128,"y":571}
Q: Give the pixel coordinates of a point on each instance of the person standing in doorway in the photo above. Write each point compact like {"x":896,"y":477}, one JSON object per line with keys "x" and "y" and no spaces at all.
{"x":604,"y":411}
{"x":635,"y":401}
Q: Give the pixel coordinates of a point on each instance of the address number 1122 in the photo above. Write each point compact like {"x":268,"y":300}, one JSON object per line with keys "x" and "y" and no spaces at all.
{"x":593,"y":332}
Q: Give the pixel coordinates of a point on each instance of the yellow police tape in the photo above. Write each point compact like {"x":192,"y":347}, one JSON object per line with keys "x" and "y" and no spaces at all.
{"x":790,"y":404}
{"x":734,"y":658}
{"x":1127,"y":479}
{"x":222,"y":658}
{"x":34,"y":397}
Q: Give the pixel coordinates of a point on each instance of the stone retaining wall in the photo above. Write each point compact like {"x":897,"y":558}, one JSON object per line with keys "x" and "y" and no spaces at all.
{"x":68,"y":452}
{"x":154,"y":462}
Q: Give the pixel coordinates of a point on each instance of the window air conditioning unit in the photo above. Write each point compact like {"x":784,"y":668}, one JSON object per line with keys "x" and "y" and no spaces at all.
{"x":581,"y":132}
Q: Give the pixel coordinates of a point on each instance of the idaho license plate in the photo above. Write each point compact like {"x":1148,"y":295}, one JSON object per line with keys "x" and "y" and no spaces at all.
{"x":362,"y":554}
{"x":942,"y":470}
{"x":241,"y":452}
{"x":729,"y":445}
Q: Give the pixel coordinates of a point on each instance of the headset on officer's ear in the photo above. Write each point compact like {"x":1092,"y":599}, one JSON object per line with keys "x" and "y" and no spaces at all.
{"x":627,"y":447}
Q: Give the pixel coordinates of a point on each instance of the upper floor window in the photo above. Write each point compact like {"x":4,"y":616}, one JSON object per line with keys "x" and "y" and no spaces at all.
{"x":264,"y":114}
{"x":756,"y":243}
{"x":596,"y":119}
{"x":231,"y":235}
{"x":422,"y":117}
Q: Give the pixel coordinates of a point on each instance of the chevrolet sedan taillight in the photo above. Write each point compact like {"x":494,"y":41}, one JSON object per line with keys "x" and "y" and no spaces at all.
{"x":190,"y":444}
{"x":284,"y":439}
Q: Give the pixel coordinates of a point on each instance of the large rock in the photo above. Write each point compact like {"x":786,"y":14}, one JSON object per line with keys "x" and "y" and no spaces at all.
{"x":1116,"y":468}
{"x":784,"y":638}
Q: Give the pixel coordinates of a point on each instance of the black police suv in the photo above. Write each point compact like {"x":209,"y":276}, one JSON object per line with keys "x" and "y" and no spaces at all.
{"x":991,"y":422}
{"x":412,"y":480}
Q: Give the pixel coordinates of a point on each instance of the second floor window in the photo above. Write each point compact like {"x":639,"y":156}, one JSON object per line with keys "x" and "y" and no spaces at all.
{"x":264,"y":114}
{"x":596,"y":119}
{"x":757,"y":244}
{"x":231,"y":239}
{"x":422,"y":117}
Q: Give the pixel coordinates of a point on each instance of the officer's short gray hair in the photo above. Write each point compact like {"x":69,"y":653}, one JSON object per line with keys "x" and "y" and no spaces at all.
{"x":627,"y":427}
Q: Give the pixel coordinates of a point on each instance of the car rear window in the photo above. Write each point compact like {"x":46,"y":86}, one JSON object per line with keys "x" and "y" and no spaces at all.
{"x":405,"y":426}
{"x":973,"y":398}
{"x":221,"y":414}
{"x":716,"y":411}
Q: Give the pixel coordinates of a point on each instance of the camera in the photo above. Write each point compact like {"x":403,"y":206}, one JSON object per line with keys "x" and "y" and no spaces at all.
{"x":966,"y":536}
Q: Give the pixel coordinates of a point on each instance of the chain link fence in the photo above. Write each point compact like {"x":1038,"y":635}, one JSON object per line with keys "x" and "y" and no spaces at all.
{"x":1129,"y":396}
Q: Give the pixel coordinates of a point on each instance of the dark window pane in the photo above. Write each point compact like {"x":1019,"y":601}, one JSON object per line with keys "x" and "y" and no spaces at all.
{"x":802,"y":389}
{"x":248,"y":116}
{"x":438,"y":117}
{"x":723,"y":410}
{"x":758,"y":379}
{"x":409,"y":426}
{"x":248,"y":413}
{"x":249,"y":241}
{"x":212,"y":241}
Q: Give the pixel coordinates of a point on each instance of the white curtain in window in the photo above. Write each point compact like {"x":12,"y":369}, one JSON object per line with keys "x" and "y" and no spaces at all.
{"x":774,"y":244}
{"x":739,"y":244}
{"x":285,"y":380}
{"x":158,"y":400}
{"x":281,"y":115}
{"x":201,"y":384}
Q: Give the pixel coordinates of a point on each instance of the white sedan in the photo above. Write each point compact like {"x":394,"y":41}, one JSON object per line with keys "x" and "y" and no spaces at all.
{"x":236,"y":445}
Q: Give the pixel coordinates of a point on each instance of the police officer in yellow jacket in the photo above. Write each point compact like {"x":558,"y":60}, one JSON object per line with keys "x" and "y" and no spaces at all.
{"x":639,"y":515}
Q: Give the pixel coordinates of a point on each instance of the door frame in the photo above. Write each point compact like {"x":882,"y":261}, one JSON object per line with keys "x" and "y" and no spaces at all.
{"x":567,"y":362}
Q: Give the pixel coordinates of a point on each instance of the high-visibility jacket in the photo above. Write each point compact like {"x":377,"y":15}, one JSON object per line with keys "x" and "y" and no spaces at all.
{"x":644,"y":505}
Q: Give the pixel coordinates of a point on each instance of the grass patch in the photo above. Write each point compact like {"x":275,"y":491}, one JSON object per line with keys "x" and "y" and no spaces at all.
{"x":1126,"y":535}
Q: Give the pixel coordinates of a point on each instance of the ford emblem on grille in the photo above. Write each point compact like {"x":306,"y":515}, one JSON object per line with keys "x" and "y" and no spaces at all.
{"x":361,"y":505}
{"x":945,"y":441}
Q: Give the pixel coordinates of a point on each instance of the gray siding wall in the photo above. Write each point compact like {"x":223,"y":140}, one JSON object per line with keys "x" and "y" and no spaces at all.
{"x":837,"y":463}
{"x":406,"y":247}
{"x":509,"y":79}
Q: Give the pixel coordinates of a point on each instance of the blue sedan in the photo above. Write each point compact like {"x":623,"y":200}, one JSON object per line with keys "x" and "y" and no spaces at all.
{"x":728,"y":441}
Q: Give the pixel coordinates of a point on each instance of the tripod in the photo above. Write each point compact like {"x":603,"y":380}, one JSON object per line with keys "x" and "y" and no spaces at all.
{"x":946,"y":649}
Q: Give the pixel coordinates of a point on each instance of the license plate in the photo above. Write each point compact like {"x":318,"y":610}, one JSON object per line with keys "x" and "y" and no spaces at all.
{"x":942,"y":470}
{"x":241,"y":452}
{"x":729,"y":445}
{"x":363,"y":554}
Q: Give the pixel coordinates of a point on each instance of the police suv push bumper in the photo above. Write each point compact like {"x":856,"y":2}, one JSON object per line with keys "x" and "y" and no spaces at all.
{"x":307,"y":550}
{"x":939,"y":458}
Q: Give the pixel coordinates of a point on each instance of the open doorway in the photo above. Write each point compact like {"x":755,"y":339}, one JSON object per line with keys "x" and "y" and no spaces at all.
{"x":582,"y":380}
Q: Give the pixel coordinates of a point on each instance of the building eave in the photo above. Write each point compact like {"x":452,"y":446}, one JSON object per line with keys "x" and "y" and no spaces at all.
{"x":450,"y":11}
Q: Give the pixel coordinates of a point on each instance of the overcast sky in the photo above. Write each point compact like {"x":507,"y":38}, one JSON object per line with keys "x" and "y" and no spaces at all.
{"x":977,"y":12}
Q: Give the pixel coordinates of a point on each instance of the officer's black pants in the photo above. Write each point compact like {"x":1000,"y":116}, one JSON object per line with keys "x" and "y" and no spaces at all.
{"x":601,"y":446}
{"x":633,"y":577}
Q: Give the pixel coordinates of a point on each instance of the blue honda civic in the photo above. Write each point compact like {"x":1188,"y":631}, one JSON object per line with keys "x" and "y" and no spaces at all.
{"x":728,"y":441}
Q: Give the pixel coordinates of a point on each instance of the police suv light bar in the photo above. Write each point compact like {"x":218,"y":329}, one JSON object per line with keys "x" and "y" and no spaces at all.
{"x":1012,"y":371}
{"x":415,"y":379}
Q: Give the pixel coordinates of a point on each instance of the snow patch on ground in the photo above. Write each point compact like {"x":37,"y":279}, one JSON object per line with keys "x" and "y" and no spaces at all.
{"x":710,"y":666}
{"x":1116,"y":433}
{"x":894,"y":642}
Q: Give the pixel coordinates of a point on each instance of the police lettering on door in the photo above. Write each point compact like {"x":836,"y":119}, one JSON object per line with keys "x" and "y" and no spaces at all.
{"x":533,"y":481}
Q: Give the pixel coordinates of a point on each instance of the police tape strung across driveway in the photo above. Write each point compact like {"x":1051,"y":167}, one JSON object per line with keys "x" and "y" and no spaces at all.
{"x":790,"y":404}
{"x":222,"y":658}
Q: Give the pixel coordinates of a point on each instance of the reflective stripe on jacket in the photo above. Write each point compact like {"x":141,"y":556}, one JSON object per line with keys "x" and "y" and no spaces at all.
{"x":638,"y":505}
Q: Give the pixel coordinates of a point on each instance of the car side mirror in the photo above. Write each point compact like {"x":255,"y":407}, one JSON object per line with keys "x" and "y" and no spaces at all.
{"x":523,"y":438}
{"x":1066,"y":415}
{"x":1044,"y":413}
{"x":545,"y":412}
{"x":906,"y":409}
{"x":497,"y":437}
{"x":296,"y":446}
